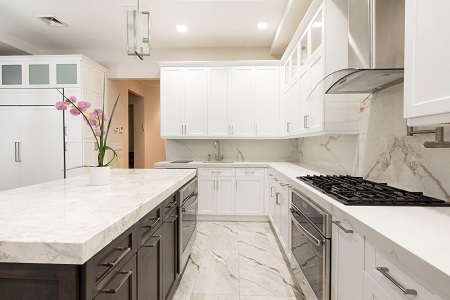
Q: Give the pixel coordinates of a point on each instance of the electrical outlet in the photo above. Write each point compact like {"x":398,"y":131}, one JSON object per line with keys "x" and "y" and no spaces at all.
{"x":117,"y":146}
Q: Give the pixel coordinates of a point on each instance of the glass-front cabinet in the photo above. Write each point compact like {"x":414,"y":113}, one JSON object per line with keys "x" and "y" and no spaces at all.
{"x":18,"y":72}
{"x":295,"y":61}
{"x":12,"y":74}
{"x":316,"y":32}
{"x":304,"y":48}
{"x":287,"y":71}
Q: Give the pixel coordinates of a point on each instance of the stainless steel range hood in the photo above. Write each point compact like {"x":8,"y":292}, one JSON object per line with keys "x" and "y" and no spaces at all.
{"x":375,"y":48}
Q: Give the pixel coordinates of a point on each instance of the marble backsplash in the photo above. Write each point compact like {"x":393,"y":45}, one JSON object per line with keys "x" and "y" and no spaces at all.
{"x":234,"y":150}
{"x":382,"y":152}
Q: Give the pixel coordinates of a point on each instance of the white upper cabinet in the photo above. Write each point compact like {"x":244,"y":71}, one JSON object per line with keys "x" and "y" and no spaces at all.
{"x":184,"y":102}
{"x":172,"y":102}
{"x":195,"y":101}
{"x":229,"y":102}
{"x":242,"y":117}
{"x":219,"y":88}
{"x":320,"y":47}
{"x":267,"y":101}
{"x":427,"y":62}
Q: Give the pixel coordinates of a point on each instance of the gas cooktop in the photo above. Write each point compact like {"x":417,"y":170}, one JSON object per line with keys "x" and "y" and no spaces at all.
{"x":351,"y":190}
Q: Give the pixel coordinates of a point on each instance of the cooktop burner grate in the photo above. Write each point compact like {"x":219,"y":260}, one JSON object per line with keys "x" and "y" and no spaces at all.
{"x":351,"y":190}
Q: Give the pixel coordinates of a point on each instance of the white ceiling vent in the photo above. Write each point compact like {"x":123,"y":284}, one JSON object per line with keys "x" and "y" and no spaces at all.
{"x":52,"y":21}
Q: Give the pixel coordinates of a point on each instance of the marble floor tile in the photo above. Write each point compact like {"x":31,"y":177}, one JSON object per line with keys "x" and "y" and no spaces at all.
{"x":236,"y":261}
{"x":254,"y":236}
{"x":259,"y":275}
{"x":214,"y":297}
{"x":223,"y":236}
{"x":265,"y":298}
{"x":181,"y":296}
{"x":218,"y":273}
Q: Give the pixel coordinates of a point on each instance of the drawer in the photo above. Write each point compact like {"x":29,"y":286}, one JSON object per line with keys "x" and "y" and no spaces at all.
{"x":99,"y":270}
{"x":249,"y":171}
{"x":392,"y":277}
{"x":148,"y":225}
{"x":122,"y":285}
{"x":216,"y":172}
{"x":169,"y":205}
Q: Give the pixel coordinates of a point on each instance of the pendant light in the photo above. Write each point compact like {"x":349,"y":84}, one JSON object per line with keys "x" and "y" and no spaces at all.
{"x":137,"y":32}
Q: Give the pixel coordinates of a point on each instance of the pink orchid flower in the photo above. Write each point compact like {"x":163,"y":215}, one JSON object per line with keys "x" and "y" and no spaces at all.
{"x":73,"y":99}
{"x":61,"y":105}
{"x":74,"y":112}
{"x":82,"y":105}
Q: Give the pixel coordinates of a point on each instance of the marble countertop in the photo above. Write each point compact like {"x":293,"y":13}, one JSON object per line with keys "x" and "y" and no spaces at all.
{"x":212,"y":164}
{"x":68,"y":221}
{"x":417,"y":237}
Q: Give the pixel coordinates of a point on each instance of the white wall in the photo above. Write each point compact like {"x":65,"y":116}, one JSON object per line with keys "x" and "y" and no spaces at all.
{"x":233,"y":150}
{"x":384,"y":152}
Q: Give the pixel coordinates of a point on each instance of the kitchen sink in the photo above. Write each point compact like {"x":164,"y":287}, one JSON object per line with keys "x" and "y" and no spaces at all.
{"x":220,"y":162}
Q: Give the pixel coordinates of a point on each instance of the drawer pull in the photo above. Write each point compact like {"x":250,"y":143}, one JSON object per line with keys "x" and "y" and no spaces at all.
{"x":158,"y":237}
{"x":338,"y":224}
{"x":172,"y":205}
{"x":282,"y":184}
{"x":125,"y":250}
{"x":124,"y":279}
{"x":249,"y":172}
{"x":172,"y":219}
{"x":154,"y":223}
{"x":385,"y":272}
{"x":216,"y":172}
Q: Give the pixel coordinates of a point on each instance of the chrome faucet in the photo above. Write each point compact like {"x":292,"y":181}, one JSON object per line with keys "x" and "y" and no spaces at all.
{"x":218,"y":156}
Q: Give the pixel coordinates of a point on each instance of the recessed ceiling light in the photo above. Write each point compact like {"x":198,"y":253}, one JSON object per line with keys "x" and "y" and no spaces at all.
{"x":262,"y":25}
{"x":181,"y":28}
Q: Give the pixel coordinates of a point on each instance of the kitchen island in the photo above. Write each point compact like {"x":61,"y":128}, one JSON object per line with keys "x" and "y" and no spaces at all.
{"x":57,"y":228}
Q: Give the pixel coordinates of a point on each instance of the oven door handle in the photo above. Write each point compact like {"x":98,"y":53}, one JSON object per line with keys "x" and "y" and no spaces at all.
{"x":312,"y":238}
{"x":194,"y":194}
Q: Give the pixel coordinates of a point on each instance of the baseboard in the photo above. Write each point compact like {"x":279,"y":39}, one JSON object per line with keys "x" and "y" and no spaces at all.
{"x":233,"y":218}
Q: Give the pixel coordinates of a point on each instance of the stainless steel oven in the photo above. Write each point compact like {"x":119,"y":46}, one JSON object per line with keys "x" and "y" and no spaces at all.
{"x":188,"y":213}
{"x":310,"y":247}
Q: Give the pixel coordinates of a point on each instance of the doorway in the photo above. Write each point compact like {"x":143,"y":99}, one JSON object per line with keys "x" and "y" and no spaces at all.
{"x":136,"y":136}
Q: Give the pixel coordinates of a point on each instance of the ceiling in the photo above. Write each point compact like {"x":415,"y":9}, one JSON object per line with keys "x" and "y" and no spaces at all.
{"x":98,"y":24}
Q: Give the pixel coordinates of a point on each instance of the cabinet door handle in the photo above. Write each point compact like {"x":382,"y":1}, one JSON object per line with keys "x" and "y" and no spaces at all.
{"x":154,"y":223}
{"x":276,"y":179}
{"x":172,"y":219}
{"x":232,"y":129}
{"x":16,"y":152}
{"x":271,"y":191}
{"x":305,"y":120}
{"x":217,"y":182}
{"x":124,"y":279}
{"x":270,"y":174}
{"x":125,"y":250}
{"x":172,"y":205}
{"x":277,"y":201}
{"x":214,"y":185}
{"x":385,"y":272}
{"x":287,"y":127}
{"x":158,"y":237}
{"x":236,"y":184}
{"x":338,"y":224}
{"x":256,"y":129}
{"x":185,"y":129}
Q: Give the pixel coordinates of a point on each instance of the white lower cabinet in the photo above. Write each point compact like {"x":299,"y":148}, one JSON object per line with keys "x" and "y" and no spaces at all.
{"x":230,"y":191}
{"x":385,"y":279}
{"x":249,"y":192}
{"x":279,"y":213}
{"x":216,"y":191}
{"x":347,"y":262}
